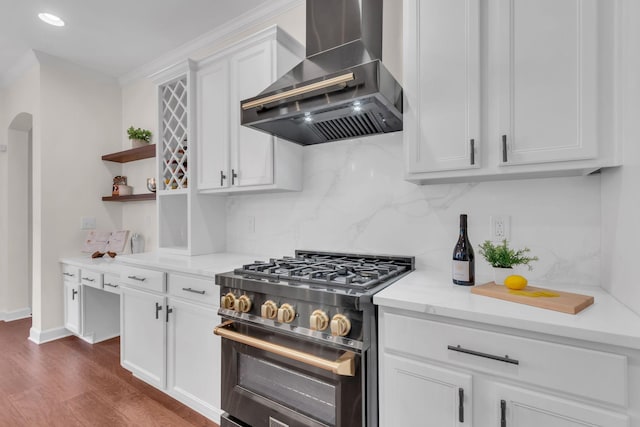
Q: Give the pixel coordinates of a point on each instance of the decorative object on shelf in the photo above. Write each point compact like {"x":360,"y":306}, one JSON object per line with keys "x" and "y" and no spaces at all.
{"x":151,"y":184}
{"x":502,"y":258}
{"x":120,"y":187}
{"x":139,"y":137}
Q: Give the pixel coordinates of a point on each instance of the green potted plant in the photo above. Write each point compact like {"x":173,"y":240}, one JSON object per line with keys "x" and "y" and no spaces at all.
{"x":502,"y":258}
{"x":139,"y":137}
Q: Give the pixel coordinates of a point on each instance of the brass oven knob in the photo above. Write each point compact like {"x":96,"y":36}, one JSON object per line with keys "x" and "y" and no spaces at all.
{"x":286,"y":313}
{"x":269,"y":310}
{"x":340,"y":325}
{"x":228,"y":301}
{"x":243,"y":304}
{"x":318,"y":321}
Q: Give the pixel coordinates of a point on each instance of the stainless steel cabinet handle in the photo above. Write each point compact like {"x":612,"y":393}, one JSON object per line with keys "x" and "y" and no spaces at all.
{"x":472,"y":159}
{"x":69,"y":274}
{"x":139,"y":279}
{"x":110,"y":285}
{"x":169,"y":311}
{"x":344,"y":365}
{"x":503,"y":413}
{"x":505,"y":359}
{"x":234,"y":175}
{"x":461,"y":404}
{"x":88,"y":279}
{"x":195,"y":291}
{"x":73,"y":294}
{"x":504,"y":149}
{"x":158,"y":308}
{"x":222,"y":178}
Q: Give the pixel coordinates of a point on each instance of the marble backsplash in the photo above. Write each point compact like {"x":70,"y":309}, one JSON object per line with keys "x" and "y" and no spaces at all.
{"x":355,"y":199}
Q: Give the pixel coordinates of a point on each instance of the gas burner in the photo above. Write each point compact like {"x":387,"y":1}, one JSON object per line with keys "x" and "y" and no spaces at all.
{"x":328,"y":270}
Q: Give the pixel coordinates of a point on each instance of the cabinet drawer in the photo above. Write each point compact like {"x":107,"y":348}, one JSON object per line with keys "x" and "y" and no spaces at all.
{"x":111,"y":283}
{"x":71,"y":273}
{"x":589,"y":373}
{"x":142,"y":278}
{"x":194,"y":288}
{"x":91,"y":278}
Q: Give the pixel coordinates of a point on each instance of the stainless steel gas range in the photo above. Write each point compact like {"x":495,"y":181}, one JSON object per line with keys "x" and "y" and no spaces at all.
{"x":299,"y":339}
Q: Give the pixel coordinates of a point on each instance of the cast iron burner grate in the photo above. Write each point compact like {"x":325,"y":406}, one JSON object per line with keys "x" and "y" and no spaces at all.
{"x":326,"y":270}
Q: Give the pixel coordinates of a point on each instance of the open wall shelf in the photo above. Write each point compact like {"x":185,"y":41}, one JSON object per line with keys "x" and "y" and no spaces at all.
{"x":146,"y":152}
{"x":131,"y":198}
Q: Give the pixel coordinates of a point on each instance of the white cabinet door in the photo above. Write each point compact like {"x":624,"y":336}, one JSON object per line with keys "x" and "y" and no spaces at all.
{"x":414,"y":393}
{"x":213,"y":125}
{"x":548,"y":73}
{"x":142,"y":345}
{"x":519,"y":407}
{"x":442,"y":85}
{"x":194,"y":355}
{"x":252,"y":70}
{"x":72,"y":307}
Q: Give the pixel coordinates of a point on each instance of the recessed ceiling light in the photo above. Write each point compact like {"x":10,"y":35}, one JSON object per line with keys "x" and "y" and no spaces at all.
{"x":51,"y":19}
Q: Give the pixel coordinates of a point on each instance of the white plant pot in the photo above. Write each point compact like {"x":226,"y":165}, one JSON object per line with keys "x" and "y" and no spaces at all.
{"x":501,"y":273}
{"x":137,"y":143}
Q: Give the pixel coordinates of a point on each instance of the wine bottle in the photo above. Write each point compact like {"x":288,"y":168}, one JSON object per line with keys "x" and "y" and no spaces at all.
{"x":463,"y":258}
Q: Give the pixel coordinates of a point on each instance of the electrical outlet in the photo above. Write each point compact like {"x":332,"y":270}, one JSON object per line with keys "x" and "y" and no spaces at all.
{"x":87,"y":223}
{"x":500,"y":227}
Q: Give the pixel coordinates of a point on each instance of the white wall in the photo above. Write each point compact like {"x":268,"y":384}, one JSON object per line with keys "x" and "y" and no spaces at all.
{"x":139,"y":109}
{"x":354,"y":198}
{"x":20,"y":96}
{"x":620,"y":193}
{"x":80,"y":112}
{"x":18,"y":254}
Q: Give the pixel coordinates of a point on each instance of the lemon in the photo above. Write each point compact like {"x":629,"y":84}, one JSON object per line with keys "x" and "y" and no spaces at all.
{"x":515,"y":282}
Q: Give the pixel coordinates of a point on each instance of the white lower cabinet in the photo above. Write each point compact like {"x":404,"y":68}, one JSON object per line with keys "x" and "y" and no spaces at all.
{"x":72,"y":306}
{"x":142,"y":335}
{"x":418,"y":391}
{"x":90,"y":313}
{"x":193,"y":358}
{"x":519,"y":407}
{"x":434,"y":374}
{"x":167,"y":336}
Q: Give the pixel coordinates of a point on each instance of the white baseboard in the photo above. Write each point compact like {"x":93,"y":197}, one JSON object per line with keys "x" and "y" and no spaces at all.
{"x":9,"y":316}
{"x":41,"y":337}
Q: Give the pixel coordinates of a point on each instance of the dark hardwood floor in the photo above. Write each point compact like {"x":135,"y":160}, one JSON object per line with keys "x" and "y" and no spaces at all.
{"x":71,"y":383}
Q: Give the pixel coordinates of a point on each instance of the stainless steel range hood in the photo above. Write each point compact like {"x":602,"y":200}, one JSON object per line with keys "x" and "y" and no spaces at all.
{"x":341,"y":90}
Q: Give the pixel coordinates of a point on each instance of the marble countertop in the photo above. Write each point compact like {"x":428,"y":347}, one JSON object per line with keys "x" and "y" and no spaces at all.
{"x":202,"y":265}
{"x":607,"y":321}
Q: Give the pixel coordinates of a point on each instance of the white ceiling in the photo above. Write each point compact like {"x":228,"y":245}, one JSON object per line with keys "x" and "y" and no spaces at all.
{"x":113,"y":36}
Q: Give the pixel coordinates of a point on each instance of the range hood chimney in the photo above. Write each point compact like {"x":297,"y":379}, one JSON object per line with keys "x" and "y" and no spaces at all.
{"x":341,"y":90}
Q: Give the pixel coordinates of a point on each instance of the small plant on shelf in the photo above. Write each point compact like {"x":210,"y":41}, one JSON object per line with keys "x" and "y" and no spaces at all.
{"x":139,"y":137}
{"x":502,"y":256}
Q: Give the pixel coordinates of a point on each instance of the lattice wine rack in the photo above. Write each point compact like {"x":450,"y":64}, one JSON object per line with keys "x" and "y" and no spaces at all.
{"x":174,"y":135}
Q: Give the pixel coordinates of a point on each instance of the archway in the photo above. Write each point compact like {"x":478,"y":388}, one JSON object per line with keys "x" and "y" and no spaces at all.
{"x":19,"y":210}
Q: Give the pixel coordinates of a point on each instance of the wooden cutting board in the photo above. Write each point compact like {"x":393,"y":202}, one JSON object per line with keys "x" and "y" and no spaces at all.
{"x":565,"y":302}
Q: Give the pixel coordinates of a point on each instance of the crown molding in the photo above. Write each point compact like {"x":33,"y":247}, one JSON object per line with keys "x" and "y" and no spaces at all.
{"x":24,"y":64}
{"x":269,"y":10}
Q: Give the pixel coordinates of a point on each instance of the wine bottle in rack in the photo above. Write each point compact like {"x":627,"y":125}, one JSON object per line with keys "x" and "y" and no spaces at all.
{"x":463,"y":257}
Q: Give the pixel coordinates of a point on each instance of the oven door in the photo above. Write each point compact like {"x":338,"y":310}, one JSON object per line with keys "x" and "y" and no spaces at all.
{"x":276,"y":380}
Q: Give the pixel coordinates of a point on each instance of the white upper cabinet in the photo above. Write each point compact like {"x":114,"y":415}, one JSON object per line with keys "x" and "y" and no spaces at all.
{"x":213,"y":124}
{"x":502,"y":89}
{"x":442,"y":85}
{"x":252,"y":155}
{"x":548,"y":80}
{"x":233,"y":157}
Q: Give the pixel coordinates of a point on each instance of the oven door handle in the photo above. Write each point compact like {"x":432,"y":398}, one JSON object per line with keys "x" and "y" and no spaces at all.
{"x":344,"y":365}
